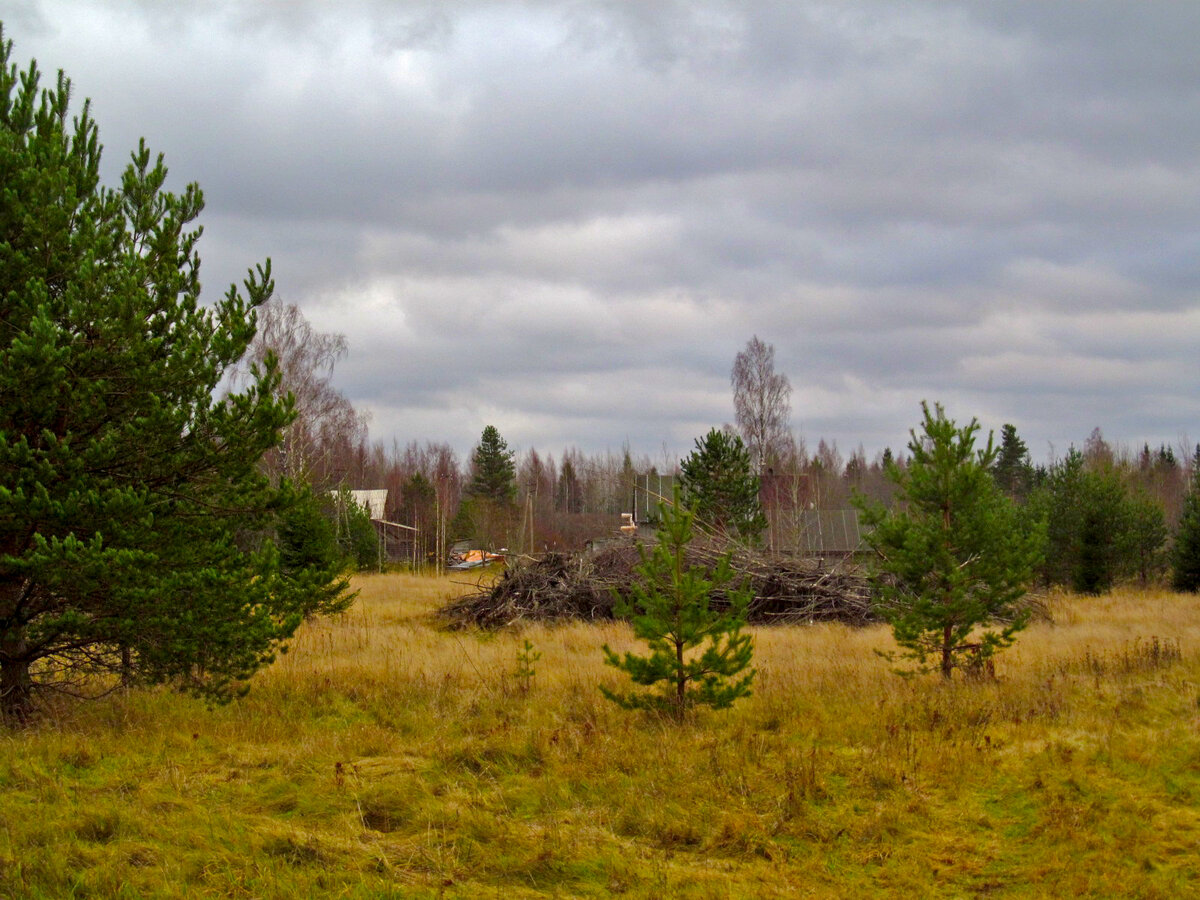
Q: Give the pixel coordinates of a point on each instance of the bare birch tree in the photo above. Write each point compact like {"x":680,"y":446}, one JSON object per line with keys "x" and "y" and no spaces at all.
{"x":327,"y":426}
{"x":761,"y":402}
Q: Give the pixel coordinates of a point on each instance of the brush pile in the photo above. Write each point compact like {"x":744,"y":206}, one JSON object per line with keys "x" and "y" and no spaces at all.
{"x":581,"y":586}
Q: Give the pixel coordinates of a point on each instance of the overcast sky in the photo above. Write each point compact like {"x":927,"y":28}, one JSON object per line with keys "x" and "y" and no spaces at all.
{"x":565,"y":219}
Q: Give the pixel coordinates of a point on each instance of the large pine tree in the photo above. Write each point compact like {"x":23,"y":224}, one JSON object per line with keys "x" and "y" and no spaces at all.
{"x":135,"y":526}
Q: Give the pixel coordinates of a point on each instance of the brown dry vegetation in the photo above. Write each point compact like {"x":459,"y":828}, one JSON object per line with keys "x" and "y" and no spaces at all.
{"x":385,"y":756}
{"x":559,"y":586}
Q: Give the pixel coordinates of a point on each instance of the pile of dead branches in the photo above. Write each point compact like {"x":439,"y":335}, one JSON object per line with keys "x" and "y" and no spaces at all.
{"x":581,"y":586}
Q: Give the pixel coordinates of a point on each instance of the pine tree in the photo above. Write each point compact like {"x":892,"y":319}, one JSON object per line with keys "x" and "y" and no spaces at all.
{"x":719,"y":482}
{"x":135,"y":525}
{"x":1185,"y":557}
{"x":953,"y":557}
{"x":462,"y":526}
{"x":671,"y":609}
{"x":307,"y":537}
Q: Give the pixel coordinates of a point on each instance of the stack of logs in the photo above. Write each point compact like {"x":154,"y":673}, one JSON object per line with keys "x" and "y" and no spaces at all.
{"x":585,"y":585}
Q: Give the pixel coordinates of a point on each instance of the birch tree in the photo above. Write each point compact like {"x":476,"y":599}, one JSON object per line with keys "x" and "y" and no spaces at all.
{"x":761,"y":402}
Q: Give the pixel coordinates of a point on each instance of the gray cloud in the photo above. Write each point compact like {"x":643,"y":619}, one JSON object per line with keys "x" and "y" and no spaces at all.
{"x":566,"y":219}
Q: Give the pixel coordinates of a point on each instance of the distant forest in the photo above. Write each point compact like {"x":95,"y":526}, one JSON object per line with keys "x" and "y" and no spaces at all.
{"x":1117,"y":504}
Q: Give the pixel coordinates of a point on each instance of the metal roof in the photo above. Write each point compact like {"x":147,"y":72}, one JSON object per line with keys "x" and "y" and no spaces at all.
{"x":830,"y":531}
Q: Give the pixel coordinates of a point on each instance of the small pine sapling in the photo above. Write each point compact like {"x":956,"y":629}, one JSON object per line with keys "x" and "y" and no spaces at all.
{"x":670,"y":609}
{"x":526,"y":657}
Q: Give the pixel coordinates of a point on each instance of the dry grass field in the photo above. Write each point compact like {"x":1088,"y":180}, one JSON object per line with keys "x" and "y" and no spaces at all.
{"x":386,"y":757}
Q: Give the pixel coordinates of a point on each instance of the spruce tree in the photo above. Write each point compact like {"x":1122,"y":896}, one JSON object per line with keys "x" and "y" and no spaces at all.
{"x":356,"y":535}
{"x":136,"y":529}
{"x":953,"y":557}
{"x":493,"y":473}
{"x":1143,"y":542}
{"x":719,"y":481}
{"x":1098,"y":530}
{"x":671,"y":609}
{"x":1185,"y":557}
{"x":1012,"y":469}
{"x":490,"y":501}
{"x":1107,"y":538}
{"x":1058,"y":501}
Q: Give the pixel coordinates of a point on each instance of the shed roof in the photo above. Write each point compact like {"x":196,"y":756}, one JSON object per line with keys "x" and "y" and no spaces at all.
{"x":830,"y":531}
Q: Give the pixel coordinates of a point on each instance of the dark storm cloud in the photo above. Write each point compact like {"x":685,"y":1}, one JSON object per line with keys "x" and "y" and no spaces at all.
{"x":566,"y":219}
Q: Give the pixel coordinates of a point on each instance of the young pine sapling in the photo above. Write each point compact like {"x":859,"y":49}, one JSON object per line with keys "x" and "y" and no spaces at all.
{"x":671,"y":610}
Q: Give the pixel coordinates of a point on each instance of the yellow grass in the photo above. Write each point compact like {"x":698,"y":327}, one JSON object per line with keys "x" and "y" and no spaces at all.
{"x":384,"y":756}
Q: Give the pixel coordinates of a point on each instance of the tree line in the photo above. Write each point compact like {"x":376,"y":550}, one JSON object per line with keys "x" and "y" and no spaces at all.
{"x":1111,"y":514}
